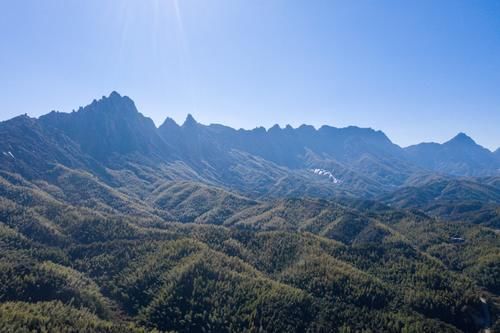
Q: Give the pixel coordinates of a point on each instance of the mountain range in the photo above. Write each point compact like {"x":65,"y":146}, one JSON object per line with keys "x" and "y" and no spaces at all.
{"x":111,"y":133}
{"x":111,"y":224}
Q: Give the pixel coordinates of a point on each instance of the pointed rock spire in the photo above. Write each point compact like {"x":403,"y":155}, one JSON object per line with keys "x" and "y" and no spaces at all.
{"x":169,"y":122}
{"x":190,"y":121}
{"x":114,"y":95}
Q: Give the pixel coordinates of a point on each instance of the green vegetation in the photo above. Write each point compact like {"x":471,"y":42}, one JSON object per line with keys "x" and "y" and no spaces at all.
{"x":56,"y":317}
{"x":194,"y":258}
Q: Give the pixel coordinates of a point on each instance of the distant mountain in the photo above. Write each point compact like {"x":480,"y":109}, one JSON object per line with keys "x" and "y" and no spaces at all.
{"x":363,"y":156}
{"x":113,"y":140}
{"x":109,"y":126}
{"x":30,"y":149}
{"x":460,"y":156}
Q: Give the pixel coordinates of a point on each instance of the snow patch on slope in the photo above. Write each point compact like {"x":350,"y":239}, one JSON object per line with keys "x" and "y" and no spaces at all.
{"x":325,"y":173}
{"x":9,"y":154}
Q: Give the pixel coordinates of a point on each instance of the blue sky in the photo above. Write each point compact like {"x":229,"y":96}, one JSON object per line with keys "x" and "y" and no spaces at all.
{"x":419,"y":70}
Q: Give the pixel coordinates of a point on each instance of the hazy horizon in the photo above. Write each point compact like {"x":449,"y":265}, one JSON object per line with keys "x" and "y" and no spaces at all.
{"x":420,"y":71}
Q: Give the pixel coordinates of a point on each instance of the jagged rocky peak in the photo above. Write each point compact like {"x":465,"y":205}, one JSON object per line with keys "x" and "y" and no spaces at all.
{"x":117,"y":103}
{"x":169,"y":122}
{"x":275,"y":128}
{"x":109,"y":125}
{"x":114,"y":95}
{"x":114,"y":103}
{"x":190,"y":121}
{"x":461,"y":138}
{"x":114,"y":108}
{"x":170,"y":129}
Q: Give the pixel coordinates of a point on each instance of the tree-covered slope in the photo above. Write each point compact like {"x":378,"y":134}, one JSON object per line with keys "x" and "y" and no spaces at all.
{"x":191,"y":276}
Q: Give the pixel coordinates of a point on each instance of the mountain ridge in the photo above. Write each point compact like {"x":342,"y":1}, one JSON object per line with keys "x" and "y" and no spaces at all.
{"x":459,"y":156}
{"x":114,"y":95}
{"x":109,"y":125}
{"x":112,"y":133}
